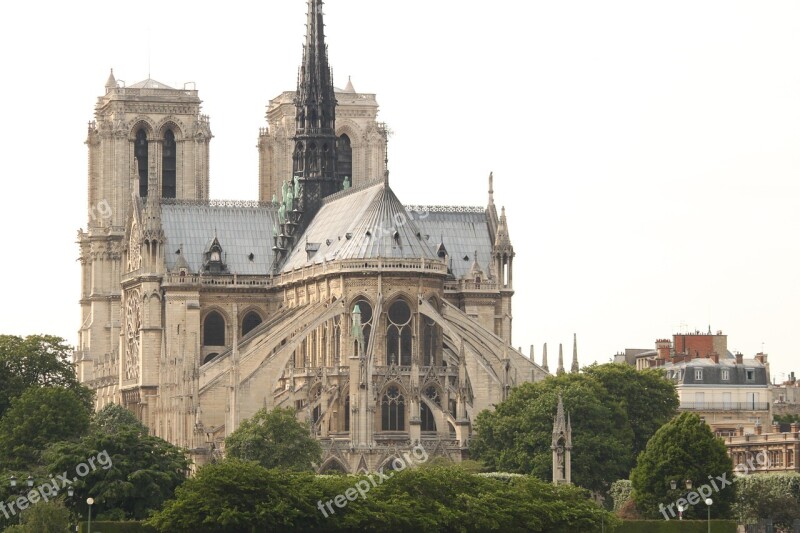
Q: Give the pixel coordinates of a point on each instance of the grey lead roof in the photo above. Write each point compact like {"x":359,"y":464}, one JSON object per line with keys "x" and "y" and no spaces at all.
{"x":369,"y":214}
{"x":241,"y":230}
{"x":363,"y":223}
{"x":463,"y":231}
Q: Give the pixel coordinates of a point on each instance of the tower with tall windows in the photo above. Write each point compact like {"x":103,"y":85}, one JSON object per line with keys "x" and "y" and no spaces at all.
{"x":384,"y":325}
{"x":147,"y":142}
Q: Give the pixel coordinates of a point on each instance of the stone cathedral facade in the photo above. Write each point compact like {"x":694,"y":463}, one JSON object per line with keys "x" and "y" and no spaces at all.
{"x":384,"y":325}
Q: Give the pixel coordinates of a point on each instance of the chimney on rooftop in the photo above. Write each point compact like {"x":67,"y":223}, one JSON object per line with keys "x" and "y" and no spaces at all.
{"x":663,"y":348}
{"x":739,"y":358}
{"x":758,"y":428}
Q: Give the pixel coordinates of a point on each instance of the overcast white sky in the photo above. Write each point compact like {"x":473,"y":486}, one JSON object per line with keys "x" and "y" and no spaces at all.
{"x":647,"y":153}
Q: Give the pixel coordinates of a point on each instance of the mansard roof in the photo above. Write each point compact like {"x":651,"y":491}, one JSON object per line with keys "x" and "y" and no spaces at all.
{"x":242,"y":228}
{"x":462,"y":230}
{"x":366,"y":222}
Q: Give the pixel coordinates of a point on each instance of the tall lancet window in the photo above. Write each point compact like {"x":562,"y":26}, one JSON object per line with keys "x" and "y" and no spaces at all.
{"x":393,"y":410}
{"x":140,"y":152}
{"x":168,"y":166}
{"x":430,"y":342}
{"x":344,"y":158}
{"x":398,"y":335}
{"x":366,"y":320}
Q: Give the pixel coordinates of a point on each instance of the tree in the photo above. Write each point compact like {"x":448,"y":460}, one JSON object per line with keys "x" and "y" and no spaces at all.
{"x":239,"y":496}
{"x":649,"y":400}
{"x":36,"y":360}
{"x":517,"y":435}
{"x":41,"y":416}
{"x":683,"y":449}
{"x":113,"y":418}
{"x":275,"y":439}
{"x":43,"y":517}
{"x":768,"y":496}
{"x":134,"y":472}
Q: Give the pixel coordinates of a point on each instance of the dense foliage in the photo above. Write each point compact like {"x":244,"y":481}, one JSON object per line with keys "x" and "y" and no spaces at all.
{"x":275,"y":439}
{"x":36,"y":361}
{"x":133,"y":472}
{"x":620,"y":493}
{"x":648,"y":400}
{"x":768,"y":496}
{"x":44,"y":517}
{"x":36,"y":419}
{"x":606,"y":416}
{"x":684,"y":448}
{"x":234,"y":496}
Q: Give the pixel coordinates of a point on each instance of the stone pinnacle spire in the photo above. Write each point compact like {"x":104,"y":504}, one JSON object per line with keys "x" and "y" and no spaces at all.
{"x":544,"y":358}
{"x":111,"y":82}
{"x":314,"y":159}
{"x":575,"y":368}
{"x":560,"y":369}
{"x":491,"y":188}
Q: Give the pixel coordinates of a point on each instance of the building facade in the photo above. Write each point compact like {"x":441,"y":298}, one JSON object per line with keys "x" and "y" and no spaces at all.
{"x":726,"y":390}
{"x":765,"y":451}
{"x":383,"y":324}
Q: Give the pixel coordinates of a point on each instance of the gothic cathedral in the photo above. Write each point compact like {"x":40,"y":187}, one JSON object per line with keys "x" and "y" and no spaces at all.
{"x":384,"y":325}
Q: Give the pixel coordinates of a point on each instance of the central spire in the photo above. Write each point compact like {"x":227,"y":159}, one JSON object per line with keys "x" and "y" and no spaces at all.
{"x":314,"y":160}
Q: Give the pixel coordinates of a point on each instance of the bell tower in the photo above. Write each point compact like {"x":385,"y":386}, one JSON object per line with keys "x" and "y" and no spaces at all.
{"x":147,"y":140}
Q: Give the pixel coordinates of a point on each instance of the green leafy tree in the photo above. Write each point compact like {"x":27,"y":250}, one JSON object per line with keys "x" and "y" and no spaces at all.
{"x":684,"y":448}
{"x":517,"y":435}
{"x":39,"y":417}
{"x":43,"y":517}
{"x":133,"y":472}
{"x":113,"y":417}
{"x":275,"y":439}
{"x":451,"y":499}
{"x":36,"y":361}
{"x":239,"y":496}
{"x":649,"y":400}
{"x":768,"y":496}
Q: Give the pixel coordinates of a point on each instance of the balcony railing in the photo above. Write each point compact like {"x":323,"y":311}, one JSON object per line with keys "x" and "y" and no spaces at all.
{"x":725,"y":406}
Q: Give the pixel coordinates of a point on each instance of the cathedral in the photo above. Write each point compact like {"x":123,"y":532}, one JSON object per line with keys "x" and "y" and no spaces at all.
{"x":385,"y":325}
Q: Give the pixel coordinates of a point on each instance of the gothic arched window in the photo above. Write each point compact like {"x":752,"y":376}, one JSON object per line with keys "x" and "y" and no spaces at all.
{"x":344,"y":158}
{"x":347,"y":413}
{"x":168,"y":165}
{"x":209,"y":357}
{"x":426,"y":416}
{"x":298,"y":157}
{"x":430,"y":342}
{"x":214,"y":330}
{"x":366,"y":319}
{"x":398,"y":334}
{"x":337,"y":339}
{"x":140,"y":152}
{"x":251,"y":320}
{"x":393,"y":410}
